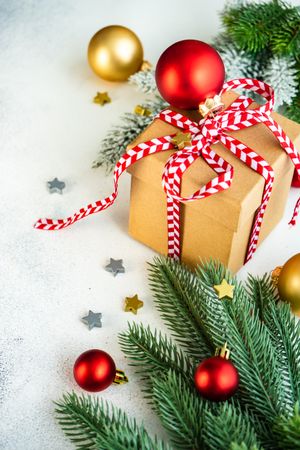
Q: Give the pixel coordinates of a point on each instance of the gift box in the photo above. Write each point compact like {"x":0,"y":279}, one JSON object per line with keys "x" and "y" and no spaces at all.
{"x":220,"y":225}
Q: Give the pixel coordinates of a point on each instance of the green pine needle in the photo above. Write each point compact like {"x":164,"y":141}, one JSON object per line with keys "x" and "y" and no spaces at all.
{"x":287,"y":430}
{"x":180,"y":409}
{"x":152,"y":353}
{"x":92,"y":424}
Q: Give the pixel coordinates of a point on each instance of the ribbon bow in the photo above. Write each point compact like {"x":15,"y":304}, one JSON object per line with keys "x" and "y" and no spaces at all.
{"x":203,"y":134}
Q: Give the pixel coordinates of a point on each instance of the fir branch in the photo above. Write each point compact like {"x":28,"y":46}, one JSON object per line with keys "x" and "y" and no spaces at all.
{"x":145,"y":81}
{"x":92,"y":424}
{"x":229,"y":428}
{"x":153,"y":354}
{"x":285,"y":334}
{"x":180,"y":409}
{"x":237,"y":62}
{"x":287,"y":431}
{"x":175,"y":290}
{"x":282,"y":75}
{"x":293,"y":110}
{"x":253,"y":353}
{"x":120,"y":136}
{"x":251,"y":25}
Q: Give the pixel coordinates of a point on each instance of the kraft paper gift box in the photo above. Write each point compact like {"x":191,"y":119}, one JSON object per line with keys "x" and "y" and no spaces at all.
{"x":218,"y":226}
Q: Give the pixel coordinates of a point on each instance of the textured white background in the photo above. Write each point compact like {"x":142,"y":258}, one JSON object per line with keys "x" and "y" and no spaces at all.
{"x":50,"y":127}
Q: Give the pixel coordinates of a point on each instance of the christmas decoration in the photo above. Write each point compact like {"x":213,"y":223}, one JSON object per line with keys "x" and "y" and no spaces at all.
{"x":117,"y":139}
{"x":56,"y":186}
{"x":132,"y":304}
{"x":92,"y":320}
{"x":101,"y":98}
{"x":216,"y":378}
{"x":267,"y":34}
{"x":139,"y":109}
{"x":188,"y":72}
{"x":115,"y":266}
{"x":289,"y":283}
{"x":281,"y":74}
{"x":238,"y":61}
{"x":94,"y":370}
{"x":224,"y":289}
{"x":205,"y":133}
{"x":144,"y":80}
{"x":264,"y":338}
{"x":181,"y":140}
{"x":296,"y":180}
{"x":115,"y":53}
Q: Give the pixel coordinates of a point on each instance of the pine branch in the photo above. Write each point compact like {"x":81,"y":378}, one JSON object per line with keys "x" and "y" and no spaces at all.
{"x":293,"y":110}
{"x":282,"y":75}
{"x":145,"y":81}
{"x":175,"y":290}
{"x":252,"y":351}
{"x":229,"y":428}
{"x":285,"y":334}
{"x":180,"y":409}
{"x":153,"y":354}
{"x":120,"y":136}
{"x":255,"y":27}
{"x":287,"y":430}
{"x":92,"y":424}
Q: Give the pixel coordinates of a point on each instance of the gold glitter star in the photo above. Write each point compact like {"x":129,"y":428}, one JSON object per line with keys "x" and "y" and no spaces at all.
{"x":141,"y":111}
{"x":224,"y":289}
{"x":101,"y":98}
{"x":181,"y":140}
{"x":132,"y":304}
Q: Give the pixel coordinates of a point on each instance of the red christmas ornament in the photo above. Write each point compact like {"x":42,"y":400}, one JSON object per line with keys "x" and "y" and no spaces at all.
{"x":94,"y":370}
{"x":216,"y":378}
{"x":188,"y":72}
{"x":296,"y":180}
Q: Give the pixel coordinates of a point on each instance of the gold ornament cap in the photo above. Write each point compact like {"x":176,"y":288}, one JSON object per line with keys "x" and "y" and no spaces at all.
{"x":120,"y":377}
{"x":224,"y":352}
{"x":211,"y":106}
{"x":275,"y":275}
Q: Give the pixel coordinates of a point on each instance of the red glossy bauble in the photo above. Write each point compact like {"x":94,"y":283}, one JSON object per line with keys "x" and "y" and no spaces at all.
{"x":94,"y":370}
{"x":216,"y":379}
{"x":188,"y":72}
{"x":296,"y":180}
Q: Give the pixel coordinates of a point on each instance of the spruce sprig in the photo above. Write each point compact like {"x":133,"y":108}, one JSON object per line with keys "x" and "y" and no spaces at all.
{"x":93,"y":424}
{"x":264,"y":340}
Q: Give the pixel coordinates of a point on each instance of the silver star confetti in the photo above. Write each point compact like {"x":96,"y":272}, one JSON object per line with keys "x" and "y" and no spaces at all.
{"x":115,"y":266}
{"x":56,"y":186}
{"x":92,"y":320}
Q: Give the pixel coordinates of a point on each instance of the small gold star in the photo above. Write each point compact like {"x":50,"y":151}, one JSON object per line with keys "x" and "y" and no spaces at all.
{"x":132,"y":304}
{"x":101,"y":98}
{"x":181,"y":140}
{"x":224,"y":289}
{"x":141,"y":111}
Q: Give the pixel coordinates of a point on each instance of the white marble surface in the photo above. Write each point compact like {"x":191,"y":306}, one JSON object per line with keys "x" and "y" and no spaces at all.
{"x":50,"y":127}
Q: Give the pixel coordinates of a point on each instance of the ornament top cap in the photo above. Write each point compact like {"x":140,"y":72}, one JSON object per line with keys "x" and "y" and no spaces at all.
{"x":211,"y":106}
{"x":224,"y":352}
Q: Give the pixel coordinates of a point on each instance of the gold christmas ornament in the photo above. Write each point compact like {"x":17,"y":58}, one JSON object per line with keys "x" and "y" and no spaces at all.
{"x":115,"y":53}
{"x":289,"y":283}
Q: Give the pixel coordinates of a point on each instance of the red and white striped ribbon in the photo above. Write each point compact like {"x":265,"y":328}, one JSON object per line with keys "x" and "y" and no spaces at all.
{"x":204,"y":134}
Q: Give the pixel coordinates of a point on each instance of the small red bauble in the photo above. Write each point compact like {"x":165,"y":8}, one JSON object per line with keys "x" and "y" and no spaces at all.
{"x":296,"y":180}
{"x":94,"y":370}
{"x":188,"y":72}
{"x":216,"y":378}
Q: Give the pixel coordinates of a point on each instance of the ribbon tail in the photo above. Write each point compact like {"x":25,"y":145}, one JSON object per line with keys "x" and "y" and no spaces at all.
{"x":293,"y":220}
